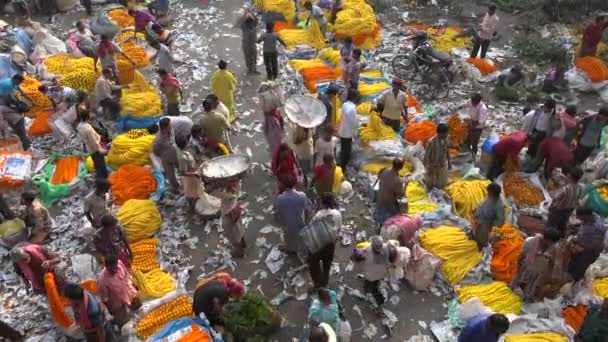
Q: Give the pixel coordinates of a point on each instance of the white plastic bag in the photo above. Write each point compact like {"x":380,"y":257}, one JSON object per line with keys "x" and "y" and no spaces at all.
{"x":414,"y":151}
{"x":578,"y":80}
{"x":471,"y":308}
{"x":421,"y":268}
{"x":345,"y":331}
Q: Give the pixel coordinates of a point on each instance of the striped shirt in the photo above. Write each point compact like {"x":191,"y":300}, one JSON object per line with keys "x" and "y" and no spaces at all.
{"x":567,"y":197}
{"x":437,"y":152}
{"x":591,"y":235}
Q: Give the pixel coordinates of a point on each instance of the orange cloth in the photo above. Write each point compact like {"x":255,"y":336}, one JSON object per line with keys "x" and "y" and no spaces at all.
{"x":57,"y":303}
{"x":196,"y":335}
{"x":312,"y":75}
{"x":485,"y":66}
{"x":66,"y":169}
{"x":132,"y":182}
{"x":40,"y":125}
{"x":575,"y":316}
{"x":505,"y":259}
{"x":420,"y":131}
{"x":281,"y":25}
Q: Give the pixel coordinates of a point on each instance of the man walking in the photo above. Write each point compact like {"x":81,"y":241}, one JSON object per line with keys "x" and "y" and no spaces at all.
{"x":486,"y":33}
{"x":348,"y":127}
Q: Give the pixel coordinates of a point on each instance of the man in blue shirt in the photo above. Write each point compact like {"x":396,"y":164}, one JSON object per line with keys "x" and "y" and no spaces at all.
{"x":484,"y":328}
{"x":9,"y":86}
{"x":14,"y":118}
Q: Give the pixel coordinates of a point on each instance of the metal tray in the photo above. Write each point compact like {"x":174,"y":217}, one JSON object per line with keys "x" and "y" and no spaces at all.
{"x":225,"y":166}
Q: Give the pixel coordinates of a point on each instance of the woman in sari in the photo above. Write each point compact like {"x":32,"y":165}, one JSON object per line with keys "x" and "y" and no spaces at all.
{"x":32,"y":261}
{"x":273,"y":126}
{"x":110,"y":239}
{"x":223,"y":85}
{"x":187,"y":167}
{"x":284,"y":165}
{"x":542,"y":272}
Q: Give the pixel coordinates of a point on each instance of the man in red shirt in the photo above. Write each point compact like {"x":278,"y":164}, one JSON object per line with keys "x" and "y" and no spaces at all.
{"x":555,"y":153}
{"x":593,"y":35}
{"x":507,"y":147}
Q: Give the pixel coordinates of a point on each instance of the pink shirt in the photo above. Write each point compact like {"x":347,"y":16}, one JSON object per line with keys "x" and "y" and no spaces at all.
{"x":116,"y":290}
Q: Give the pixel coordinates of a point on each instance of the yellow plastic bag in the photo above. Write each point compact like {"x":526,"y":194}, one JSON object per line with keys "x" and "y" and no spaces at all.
{"x":495,"y":295}
{"x":459,"y":254}
{"x":338,"y":177}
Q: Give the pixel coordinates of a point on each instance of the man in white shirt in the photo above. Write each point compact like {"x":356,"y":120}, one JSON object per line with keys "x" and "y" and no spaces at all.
{"x":478,"y":113}
{"x":163,"y":57}
{"x":104,"y":95}
{"x":540,"y":123}
{"x":92,"y":143}
{"x":486,"y":33}
{"x":348,"y":127}
{"x":316,"y":13}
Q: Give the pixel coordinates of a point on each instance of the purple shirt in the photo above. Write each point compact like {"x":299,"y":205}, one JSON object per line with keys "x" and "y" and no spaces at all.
{"x":142,"y":18}
{"x":478,"y":330}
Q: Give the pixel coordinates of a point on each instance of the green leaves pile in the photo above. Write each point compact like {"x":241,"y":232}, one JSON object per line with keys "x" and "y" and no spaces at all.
{"x":251,"y":318}
{"x":537,"y":50}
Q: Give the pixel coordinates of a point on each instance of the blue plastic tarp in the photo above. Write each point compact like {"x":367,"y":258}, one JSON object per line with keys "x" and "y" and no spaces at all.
{"x":179,"y":324}
{"x":160,"y":185}
{"x":24,"y":41}
{"x":128,"y":122}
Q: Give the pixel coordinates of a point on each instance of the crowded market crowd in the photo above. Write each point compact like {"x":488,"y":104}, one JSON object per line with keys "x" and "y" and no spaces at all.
{"x":508,"y":224}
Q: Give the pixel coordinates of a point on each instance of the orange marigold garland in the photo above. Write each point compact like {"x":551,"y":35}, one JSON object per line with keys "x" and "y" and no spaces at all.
{"x":66,"y":169}
{"x":595,"y":68}
{"x":420,"y":131}
{"x":458,"y":131}
{"x":121,"y":17}
{"x":522,"y":191}
{"x":132,"y":181}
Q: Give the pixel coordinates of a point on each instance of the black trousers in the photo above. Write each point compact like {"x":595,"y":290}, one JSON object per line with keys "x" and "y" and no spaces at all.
{"x":19,"y":130}
{"x":373,"y":287}
{"x":581,"y":153}
{"x":173,"y":109}
{"x":394,"y":124}
{"x":319,"y":265}
{"x":271,"y":61}
{"x":534,"y":141}
{"x":558,"y":218}
{"x":6,"y":331}
{"x":88,"y":6}
{"x":496,"y":168}
{"x":480,"y":44}
{"x":346,"y":147}
{"x":99,"y":161}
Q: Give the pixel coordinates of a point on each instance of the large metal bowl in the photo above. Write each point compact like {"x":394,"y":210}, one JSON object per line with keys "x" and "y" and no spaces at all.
{"x":306,"y":111}
{"x":225,"y":166}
